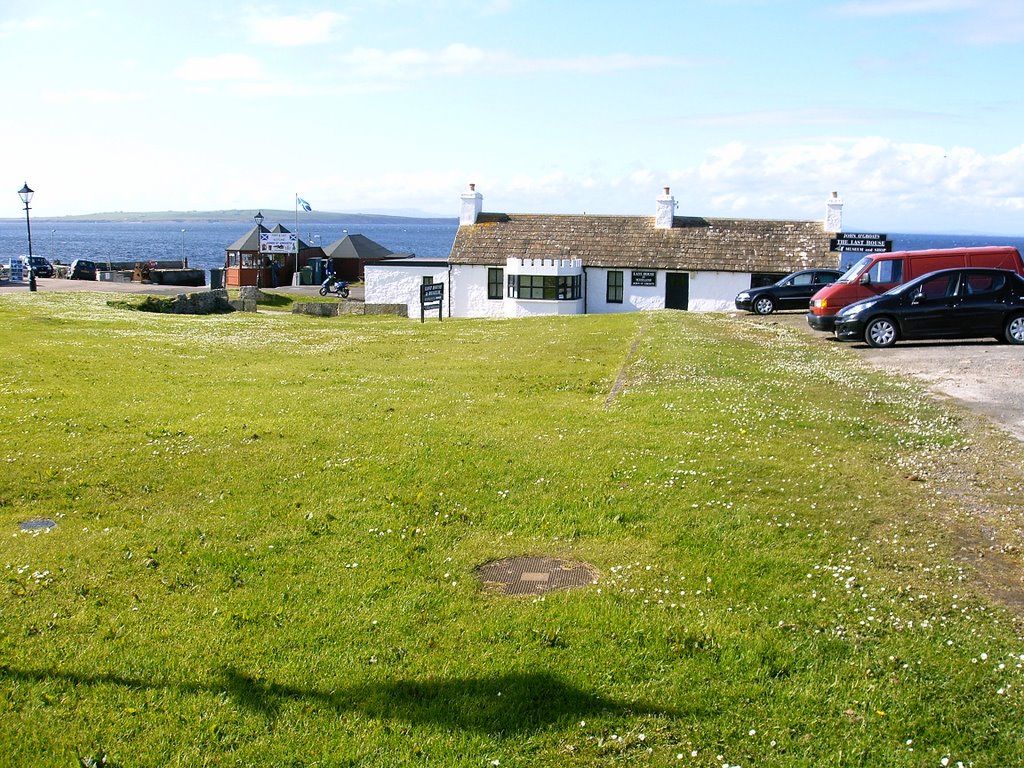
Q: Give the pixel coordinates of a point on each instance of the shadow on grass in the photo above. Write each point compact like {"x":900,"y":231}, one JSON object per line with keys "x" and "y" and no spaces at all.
{"x":507,"y":704}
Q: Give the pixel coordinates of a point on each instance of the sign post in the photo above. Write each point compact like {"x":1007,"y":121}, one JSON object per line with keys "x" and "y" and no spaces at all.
{"x":431,"y":296}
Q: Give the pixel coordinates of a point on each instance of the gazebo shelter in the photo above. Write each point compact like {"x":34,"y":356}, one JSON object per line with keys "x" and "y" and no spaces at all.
{"x":245,"y":265}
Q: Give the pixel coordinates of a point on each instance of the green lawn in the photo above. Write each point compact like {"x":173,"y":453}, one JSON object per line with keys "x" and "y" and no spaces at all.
{"x":267,"y":527}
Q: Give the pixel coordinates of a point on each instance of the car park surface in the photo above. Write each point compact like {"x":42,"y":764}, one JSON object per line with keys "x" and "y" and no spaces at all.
{"x":794,"y":291}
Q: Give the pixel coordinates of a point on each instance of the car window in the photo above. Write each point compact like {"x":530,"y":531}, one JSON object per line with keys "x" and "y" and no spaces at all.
{"x":887,"y":271}
{"x":976,"y":283}
{"x":804,"y":278}
{"x":825,"y":278}
{"x":937,"y":287}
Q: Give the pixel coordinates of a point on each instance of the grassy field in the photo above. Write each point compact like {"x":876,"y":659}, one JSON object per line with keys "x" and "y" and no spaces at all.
{"x":267,"y":529}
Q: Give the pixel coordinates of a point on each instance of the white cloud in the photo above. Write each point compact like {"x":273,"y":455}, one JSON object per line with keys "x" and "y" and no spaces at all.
{"x":881,"y":8}
{"x":93,"y":96}
{"x":227,"y":66}
{"x":977,"y":22}
{"x":12,"y":27}
{"x":309,"y":29}
{"x":459,"y":59}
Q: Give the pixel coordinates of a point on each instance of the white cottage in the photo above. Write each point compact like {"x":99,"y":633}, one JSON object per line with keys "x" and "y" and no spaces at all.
{"x":517,"y":265}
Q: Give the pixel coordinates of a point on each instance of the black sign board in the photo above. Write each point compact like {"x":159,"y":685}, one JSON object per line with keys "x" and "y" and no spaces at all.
{"x":859,"y":242}
{"x":431,"y":296}
{"x":647,"y":277}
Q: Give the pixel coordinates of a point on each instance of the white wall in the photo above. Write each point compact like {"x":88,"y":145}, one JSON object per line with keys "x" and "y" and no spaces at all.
{"x":469,"y":293}
{"x":633,"y":297}
{"x":716,"y":291}
{"x":400,"y":284}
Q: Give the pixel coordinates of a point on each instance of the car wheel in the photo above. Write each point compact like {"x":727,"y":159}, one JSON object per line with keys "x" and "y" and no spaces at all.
{"x":880,"y":332}
{"x":1013,"y":332}
{"x":764,"y":305}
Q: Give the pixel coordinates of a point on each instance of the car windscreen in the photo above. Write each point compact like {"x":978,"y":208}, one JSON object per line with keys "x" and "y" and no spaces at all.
{"x":851,"y":274}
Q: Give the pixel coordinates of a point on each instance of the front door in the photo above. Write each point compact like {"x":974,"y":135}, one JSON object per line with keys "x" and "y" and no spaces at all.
{"x":677,"y":290}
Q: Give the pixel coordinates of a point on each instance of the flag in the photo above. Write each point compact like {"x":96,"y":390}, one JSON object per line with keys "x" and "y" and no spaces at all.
{"x":305,"y":206}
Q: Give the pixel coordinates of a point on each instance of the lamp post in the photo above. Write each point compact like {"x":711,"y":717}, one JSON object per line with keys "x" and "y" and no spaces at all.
{"x":258,"y":218}
{"x":183,"y":264}
{"x":26,"y":197}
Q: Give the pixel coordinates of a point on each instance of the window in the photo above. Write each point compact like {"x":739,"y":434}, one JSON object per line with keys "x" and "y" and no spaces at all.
{"x":887,"y":271}
{"x":495,"y":279}
{"x":804,"y":278}
{"x":550,"y":287}
{"x":428,"y":280}
{"x":825,"y":278}
{"x":937,"y":287}
{"x":761,"y":279}
{"x":976,"y":283}
{"x":615,"y":283}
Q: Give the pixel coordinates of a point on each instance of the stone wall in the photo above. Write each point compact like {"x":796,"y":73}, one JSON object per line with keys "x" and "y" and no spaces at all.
{"x":202,"y":303}
{"x":336,"y":308}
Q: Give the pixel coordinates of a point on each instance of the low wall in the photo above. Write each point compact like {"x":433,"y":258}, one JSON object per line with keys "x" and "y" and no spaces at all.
{"x":201,"y":303}
{"x":336,"y":308}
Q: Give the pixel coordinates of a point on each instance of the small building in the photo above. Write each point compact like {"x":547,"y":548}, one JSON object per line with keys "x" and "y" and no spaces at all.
{"x":350,"y":255}
{"x":246,"y":265}
{"x":515,"y":265}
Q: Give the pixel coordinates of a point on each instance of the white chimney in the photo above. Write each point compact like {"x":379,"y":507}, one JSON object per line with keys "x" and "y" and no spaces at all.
{"x":665,"y":211}
{"x":834,"y":214}
{"x":472,"y":204}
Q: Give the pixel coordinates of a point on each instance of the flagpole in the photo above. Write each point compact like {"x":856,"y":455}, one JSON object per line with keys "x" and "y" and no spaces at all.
{"x":296,"y":280}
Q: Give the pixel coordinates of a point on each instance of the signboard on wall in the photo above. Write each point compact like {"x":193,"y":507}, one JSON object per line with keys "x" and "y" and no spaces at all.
{"x":859,"y":242}
{"x":278,"y":242}
{"x":644,"y":277}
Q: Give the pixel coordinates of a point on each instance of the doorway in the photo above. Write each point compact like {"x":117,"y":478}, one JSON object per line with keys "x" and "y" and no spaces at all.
{"x":677,"y":290}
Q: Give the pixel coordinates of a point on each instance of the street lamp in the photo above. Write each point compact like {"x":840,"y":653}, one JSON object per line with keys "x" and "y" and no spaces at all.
{"x":26,"y":197}
{"x":52,"y":231}
{"x":183,"y":264}
{"x":258,"y":218}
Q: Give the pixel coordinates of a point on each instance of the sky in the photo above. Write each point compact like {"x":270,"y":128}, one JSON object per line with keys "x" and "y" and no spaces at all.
{"x":911,"y":110}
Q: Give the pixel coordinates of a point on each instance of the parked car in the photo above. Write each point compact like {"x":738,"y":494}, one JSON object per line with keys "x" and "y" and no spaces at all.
{"x":791,"y":292}
{"x":82,"y":269}
{"x":876,"y":273}
{"x":41,"y":266}
{"x":947,"y":304}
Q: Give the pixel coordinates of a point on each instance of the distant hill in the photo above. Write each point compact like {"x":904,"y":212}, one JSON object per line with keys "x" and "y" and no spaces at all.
{"x":246,"y":216}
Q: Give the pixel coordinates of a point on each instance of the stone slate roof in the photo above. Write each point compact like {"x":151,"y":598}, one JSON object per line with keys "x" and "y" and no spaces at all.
{"x":693,"y":243}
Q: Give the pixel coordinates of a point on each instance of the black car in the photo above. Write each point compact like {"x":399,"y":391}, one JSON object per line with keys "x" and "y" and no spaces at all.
{"x":791,"y":292}
{"x":41,"y":266}
{"x":82,"y":269}
{"x":964,"y":303}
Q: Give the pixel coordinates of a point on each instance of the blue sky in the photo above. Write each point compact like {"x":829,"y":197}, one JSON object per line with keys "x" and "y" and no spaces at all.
{"x":910,"y":109}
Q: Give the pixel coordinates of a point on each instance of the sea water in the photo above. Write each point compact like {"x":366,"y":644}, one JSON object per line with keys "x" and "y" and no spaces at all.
{"x":203,"y":244}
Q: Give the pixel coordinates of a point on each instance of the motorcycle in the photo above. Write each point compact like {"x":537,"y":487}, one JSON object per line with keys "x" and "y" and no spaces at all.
{"x":333,"y":285}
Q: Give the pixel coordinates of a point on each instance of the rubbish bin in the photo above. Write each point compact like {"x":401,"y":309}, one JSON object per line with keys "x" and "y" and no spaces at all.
{"x":216,"y":279}
{"x":317,"y":271}
{"x":307,"y":275}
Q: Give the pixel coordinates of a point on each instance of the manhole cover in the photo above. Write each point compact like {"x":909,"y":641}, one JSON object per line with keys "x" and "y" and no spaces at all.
{"x":534,"y":575}
{"x":38,"y":524}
